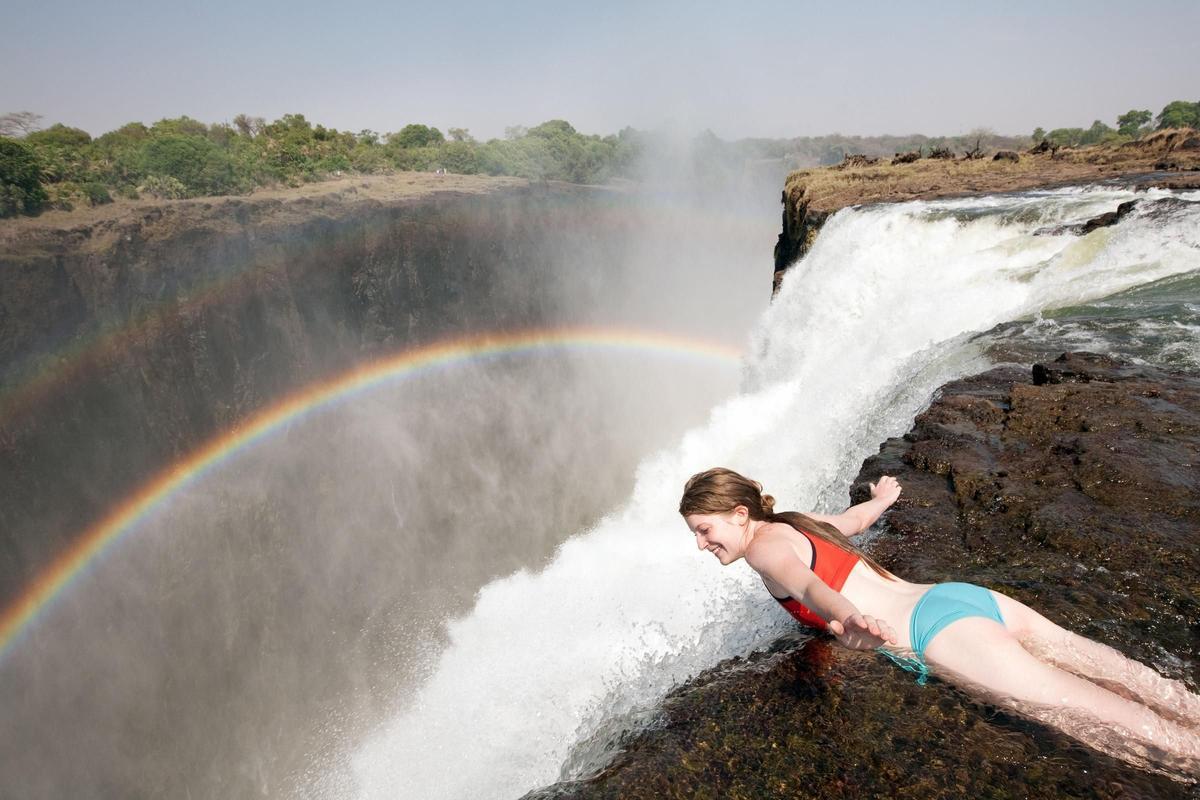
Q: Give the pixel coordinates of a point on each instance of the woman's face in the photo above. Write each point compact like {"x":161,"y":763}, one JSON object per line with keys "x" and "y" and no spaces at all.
{"x":720,"y":534}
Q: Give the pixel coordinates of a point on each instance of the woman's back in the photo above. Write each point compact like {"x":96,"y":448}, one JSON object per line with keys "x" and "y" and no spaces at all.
{"x":887,"y":598}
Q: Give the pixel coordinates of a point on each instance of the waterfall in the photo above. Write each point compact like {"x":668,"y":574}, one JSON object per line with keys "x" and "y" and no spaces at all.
{"x":536,"y":678}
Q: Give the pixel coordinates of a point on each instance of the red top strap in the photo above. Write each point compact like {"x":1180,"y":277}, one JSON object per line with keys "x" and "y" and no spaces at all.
{"x":832,"y":564}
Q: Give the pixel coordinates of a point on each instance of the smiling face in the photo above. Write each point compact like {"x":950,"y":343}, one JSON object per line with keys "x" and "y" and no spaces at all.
{"x":723,"y":535}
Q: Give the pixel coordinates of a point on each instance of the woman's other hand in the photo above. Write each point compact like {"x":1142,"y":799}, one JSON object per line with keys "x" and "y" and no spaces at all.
{"x":887,"y":489}
{"x":862,"y":631}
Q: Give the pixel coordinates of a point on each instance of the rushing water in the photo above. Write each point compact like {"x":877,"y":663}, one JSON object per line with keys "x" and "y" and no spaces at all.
{"x":536,"y":681}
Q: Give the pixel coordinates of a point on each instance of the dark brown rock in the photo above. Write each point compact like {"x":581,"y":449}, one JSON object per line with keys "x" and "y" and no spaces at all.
{"x":800,"y":227}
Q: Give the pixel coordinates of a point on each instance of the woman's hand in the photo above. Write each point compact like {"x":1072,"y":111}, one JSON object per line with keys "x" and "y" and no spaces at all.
{"x":862,"y":632}
{"x":887,"y":489}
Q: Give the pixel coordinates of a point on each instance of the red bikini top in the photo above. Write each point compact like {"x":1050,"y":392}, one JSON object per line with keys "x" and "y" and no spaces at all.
{"x":832,"y":564}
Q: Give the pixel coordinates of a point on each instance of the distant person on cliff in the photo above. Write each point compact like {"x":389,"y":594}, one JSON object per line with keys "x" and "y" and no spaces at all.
{"x":975,"y":638}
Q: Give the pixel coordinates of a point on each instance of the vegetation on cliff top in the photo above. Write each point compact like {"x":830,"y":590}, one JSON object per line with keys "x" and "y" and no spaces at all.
{"x":62,"y":166}
{"x":1130,"y":125}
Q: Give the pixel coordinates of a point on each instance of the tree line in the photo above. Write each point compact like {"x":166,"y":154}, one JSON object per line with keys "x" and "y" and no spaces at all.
{"x":1130,"y":125}
{"x":63,"y":167}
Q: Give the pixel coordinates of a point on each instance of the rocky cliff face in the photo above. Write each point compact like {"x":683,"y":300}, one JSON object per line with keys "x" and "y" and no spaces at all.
{"x":125,"y":343}
{"x":1072,"y":487}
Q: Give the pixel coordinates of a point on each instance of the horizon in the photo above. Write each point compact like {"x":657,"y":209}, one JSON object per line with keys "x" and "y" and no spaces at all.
{"x":762,"y":71}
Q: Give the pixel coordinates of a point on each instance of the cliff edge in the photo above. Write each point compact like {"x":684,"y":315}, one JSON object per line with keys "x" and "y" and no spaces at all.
{"x":1169,"y":159}
{"x":1071,"y":487}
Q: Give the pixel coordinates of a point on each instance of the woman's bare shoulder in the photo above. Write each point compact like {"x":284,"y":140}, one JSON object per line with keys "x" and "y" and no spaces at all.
{"x":775,"y":537}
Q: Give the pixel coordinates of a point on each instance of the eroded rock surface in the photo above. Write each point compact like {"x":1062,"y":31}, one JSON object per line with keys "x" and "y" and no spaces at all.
{"x":1072,"y":487}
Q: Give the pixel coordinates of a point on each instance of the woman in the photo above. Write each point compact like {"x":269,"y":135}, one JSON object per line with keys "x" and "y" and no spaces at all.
{"x":967,"y":634}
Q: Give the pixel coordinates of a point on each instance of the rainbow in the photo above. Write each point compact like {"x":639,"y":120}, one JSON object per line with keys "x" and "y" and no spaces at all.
{"x":125,"y":516}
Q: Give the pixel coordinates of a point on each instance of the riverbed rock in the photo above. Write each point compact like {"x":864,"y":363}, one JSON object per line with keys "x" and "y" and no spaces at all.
{"x":1073,"y":487}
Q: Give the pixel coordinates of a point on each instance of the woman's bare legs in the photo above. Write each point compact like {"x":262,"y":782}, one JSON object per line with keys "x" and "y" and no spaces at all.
{"x":982,"y":655}
{"x":1098,"y":662}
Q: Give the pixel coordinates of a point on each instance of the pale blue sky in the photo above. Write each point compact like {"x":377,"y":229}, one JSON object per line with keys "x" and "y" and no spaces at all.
{"x":757,"y":68}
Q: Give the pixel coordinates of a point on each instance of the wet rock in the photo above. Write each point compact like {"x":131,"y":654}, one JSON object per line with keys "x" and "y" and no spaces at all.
{"x":1111,"y":218}
{"x":1073,"y":487}
{"x":800,"y":227}
{"x":1102,"y":221}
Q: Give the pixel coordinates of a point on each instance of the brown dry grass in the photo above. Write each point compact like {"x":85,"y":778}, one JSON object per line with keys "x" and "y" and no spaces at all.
{"x":830,"y":188}
{"x":94,"y":228}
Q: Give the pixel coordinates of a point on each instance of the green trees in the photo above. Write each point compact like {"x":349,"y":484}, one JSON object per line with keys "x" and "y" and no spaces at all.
{"x":1131,"y":121}
{"x":1131,"y":124}
{"x":21,"y":189}
{"x":416,"y":136}
{"x":200,"y":166}
{"x":1179,"y":114}
{"x":59,"y":135}
{"x":183,"y":157}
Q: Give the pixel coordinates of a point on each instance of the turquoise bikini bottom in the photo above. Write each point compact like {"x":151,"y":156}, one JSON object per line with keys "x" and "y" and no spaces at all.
{"x":937,"y":608}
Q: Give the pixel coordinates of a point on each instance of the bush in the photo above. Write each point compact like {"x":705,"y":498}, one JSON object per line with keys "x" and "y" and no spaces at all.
{"x":60,"y":136}
{"x":416,"y":159}
{"x":459,"y":157}
{"x":163,"y":187}
{"x":96,"y":193}
{"x":64,"y":196}
{"x":196,"y":163}
{"x":21,"y":189}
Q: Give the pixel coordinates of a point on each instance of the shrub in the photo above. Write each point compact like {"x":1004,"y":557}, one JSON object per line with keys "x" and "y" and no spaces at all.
{"x":163,"y":187}
{"x":60,"y":136}
{"x":195,"y":162}
{"x":96,"y":193}
{"x":64,"y":196}
{"x":21,"y":189}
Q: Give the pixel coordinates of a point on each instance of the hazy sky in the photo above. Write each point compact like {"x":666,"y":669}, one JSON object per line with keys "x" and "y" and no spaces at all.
{"x":757,"y":68}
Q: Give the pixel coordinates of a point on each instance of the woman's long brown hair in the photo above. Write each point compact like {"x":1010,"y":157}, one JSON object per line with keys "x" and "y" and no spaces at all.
{"x":720,"y":490}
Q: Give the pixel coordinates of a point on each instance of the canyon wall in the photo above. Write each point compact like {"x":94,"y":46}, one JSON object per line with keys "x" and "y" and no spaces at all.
{"x":126,"y":342}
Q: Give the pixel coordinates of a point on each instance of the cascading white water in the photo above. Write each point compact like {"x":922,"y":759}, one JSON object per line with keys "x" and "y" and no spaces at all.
{"x":874,"y":319}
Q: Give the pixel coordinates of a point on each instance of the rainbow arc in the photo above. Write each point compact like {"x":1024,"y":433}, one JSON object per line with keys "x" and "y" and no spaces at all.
{"x":124,"y":517}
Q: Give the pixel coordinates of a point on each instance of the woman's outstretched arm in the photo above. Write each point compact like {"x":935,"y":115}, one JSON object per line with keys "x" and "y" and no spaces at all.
{"x":774,"y":557}
{"x":858,"y":518}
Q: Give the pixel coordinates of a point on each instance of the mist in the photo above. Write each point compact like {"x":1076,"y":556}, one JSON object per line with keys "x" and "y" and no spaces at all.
{"x":248,"y":634}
